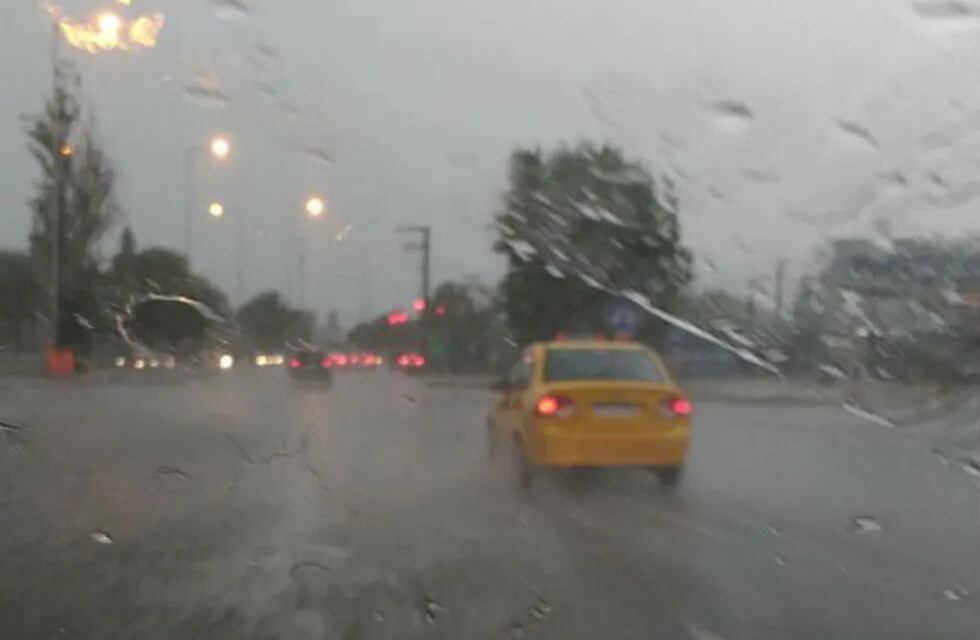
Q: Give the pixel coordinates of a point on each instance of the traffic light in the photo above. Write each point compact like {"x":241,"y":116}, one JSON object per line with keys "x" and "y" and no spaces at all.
{"x":397,"y":317}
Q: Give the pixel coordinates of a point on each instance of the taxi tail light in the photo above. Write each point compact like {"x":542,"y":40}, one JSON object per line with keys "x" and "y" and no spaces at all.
{"x":554,"y":407}
{"x":676,"y":407}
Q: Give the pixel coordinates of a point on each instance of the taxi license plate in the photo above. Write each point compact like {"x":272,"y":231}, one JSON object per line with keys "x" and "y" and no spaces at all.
{"x":616,"y":410}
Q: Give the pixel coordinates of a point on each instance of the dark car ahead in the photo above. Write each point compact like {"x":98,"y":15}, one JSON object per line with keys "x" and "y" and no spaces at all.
{"x":311,"y":365}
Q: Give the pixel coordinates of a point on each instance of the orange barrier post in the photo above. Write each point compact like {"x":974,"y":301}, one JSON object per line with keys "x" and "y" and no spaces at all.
{"x":60,"y":363}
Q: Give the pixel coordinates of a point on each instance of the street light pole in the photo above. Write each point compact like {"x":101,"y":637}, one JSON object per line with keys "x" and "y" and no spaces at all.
{"x":220,"y":147}
{"x":240,"y":269}
{"x":424,"y":246}
{"x":189,"y":155}
{"x":58,"y":190}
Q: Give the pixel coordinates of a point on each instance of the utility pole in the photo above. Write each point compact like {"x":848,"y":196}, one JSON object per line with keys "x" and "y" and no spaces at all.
{"x":780,"y":285}
{"x":423,"y":246}
{"x":60,"y":152}
{"x":240,"y":250}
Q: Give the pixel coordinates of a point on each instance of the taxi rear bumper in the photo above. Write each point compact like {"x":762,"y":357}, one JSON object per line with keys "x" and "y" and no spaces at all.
{"x":665,"y":448}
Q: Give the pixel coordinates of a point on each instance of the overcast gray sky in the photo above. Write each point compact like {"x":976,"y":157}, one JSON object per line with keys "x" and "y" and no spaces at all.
{"x":782,"y":121}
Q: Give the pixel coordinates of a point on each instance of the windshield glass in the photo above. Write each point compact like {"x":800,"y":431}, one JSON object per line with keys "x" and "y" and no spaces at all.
{"x":600,"y":364}
{"x":280,"y":282}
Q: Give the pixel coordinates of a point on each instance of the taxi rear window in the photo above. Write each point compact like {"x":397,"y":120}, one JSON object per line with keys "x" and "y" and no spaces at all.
{"x":600,"y":364}
{"x":309,"y":357}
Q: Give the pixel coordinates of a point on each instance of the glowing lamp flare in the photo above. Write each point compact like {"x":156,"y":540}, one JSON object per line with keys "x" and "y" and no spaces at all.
{"x":108,"y":32}
{"x":220,"y":147}
{"x":216,"y":209}
{"x":315,"y":206}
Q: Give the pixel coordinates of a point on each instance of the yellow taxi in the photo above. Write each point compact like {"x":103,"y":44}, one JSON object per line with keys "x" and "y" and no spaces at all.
{"x":591,"y":404}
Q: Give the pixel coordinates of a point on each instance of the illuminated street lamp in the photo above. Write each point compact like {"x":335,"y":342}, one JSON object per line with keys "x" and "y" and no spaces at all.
{"x":216,"y":209}
{"x":220,"y":148}
{"x":315,"y":206}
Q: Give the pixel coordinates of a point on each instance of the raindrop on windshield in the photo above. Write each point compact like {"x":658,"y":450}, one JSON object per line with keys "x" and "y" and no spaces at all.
{"x":266,"y":51}
{"x":101,"y":537}
{"x":554,"y":271}
{"x":972,"y":468}
{"x":230,"y":9}
{"x":731,"y":113}
{"x":866,"y":524}
{"x":267,"y":89}
{"x":761,"y":175}
{"x":319,"y":155}
{"x":289,"y":108}
{"x":955,"y":593}
{"x":945,"y":9}
{"x":206,"y":91}
{"x":858,"y":131}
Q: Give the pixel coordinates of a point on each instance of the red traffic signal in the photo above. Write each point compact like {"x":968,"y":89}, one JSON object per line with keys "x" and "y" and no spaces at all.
{"x":397,"y":317}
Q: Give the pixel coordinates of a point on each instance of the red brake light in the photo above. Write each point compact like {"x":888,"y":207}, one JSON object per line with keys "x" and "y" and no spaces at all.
{"x":676,"y":407}
{"x":294,"y":363}
{"x":556,"y":406}
{"x":355,"y":359}
{"x":418,"y":361}
{"x":327,"y":362}
{"x":341,"y":360}
{"x":403,"y":360}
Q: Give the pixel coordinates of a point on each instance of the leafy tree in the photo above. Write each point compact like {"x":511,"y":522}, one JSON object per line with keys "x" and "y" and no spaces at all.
{"x":377,"y":334}
{"x":78,"y":179}
{"x":18,"y":297}
{"x":162,"y":271}
{"x":127,"y":250}
{"x":75,"y":196}
{"x":579,"y":222}
{"x":465,"y":318}
{"x":267,"y":322}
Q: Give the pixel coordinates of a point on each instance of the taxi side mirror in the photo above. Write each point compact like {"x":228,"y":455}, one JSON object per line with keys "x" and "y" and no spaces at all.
{"x":500,"y":386}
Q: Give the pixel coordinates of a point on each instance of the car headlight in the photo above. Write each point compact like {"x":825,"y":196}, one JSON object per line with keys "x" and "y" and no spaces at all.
{"x":226,"y":362}
{"x":139,"y":363}
{"x":120,"y":361}
{"x":261,"y":360}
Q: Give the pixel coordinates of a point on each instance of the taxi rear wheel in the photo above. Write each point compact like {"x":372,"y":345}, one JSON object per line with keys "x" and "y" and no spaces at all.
{"x":493,"y":441}
{"x":669,"y":476}
{"x":523,"y":473}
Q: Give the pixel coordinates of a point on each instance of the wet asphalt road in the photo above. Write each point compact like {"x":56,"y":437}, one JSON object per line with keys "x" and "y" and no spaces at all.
{"x":245,"y":507}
